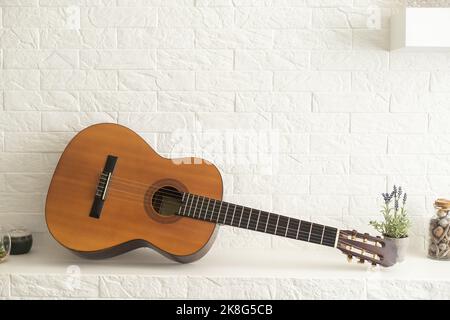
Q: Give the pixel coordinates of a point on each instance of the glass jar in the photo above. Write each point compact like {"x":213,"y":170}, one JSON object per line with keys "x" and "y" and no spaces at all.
{"x":5,"y":244}
{"x":439,"y":231}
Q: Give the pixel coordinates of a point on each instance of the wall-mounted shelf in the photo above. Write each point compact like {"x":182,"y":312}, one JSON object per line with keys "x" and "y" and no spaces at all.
{"x":418,"y":28}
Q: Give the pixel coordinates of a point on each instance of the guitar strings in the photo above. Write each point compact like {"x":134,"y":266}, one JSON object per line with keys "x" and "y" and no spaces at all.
{"x":134,"y":197}
{"x":203,"y":212}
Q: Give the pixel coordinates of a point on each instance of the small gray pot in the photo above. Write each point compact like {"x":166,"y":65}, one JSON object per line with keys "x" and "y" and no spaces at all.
{"x":401,"y":244}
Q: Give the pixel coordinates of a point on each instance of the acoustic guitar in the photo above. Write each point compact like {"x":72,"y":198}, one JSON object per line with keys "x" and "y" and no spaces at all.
{"x":111,"y":193}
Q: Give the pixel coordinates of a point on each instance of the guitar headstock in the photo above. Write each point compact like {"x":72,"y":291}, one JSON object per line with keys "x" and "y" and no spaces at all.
{"x":365,"y":247}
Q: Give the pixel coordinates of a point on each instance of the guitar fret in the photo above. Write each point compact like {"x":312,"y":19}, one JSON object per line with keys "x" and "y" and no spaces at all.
{"x":226,"y":212}
{"x":257,"y":221}
{"x":287,"y":226}
{"x":276,"y":226}
{"x":262,"y":223}
{"x":310,"y":229}
{"x":195,"y":208}
{"x":232,"y":219}
{"x":292,"y":228}
{"x":218,"y":213}
{"x":201,"y":208}
{"x":185,"y":205}
{"x":298,"y":229}
{"x":323,"y":231}
{"x":272,"y":220}
{"x":240,"y":219}
{"x":249,"y":217}
{"x":212,"y":212}
{"x":190,"y":207}
{"x":315,"y":233}
{"x":206,"y":210}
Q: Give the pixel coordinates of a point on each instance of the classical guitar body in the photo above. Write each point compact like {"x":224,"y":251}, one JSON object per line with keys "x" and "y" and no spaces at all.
{"x":127,"y":218}
{"x":111,"y":193}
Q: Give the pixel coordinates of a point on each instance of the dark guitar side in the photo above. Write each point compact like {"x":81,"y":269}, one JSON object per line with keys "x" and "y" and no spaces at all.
{"x":126,"y":222}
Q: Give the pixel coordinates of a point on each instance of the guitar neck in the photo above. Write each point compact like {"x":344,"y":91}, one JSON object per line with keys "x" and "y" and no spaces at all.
{"x":221,"y":212}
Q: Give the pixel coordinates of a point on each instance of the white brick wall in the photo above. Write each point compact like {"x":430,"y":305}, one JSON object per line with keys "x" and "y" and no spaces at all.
{"x":352,"y":118}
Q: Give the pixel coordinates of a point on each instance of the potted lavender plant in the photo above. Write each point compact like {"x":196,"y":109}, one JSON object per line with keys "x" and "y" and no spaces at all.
{"x":396,"y":223}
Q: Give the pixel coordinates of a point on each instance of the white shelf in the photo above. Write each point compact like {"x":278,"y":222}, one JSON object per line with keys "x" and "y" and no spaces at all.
{"x":421,"y":28}
{"x":312,"y":273}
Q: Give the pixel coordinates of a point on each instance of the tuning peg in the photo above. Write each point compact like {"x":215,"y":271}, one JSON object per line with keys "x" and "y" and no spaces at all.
{"x":361,"y":261}
{"x":349,"y":258}
{"x":374,"y":264}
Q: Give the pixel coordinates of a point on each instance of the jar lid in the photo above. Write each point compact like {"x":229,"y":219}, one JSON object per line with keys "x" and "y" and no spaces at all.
{"x":19,"y":232}
{"x":442,"y":203}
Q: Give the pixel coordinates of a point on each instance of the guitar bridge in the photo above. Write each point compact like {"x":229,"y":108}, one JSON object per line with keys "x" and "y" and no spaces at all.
{"x":102,"y":187}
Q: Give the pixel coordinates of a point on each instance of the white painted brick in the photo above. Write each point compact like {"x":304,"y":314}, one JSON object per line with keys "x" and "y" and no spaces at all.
{"x":41,"y":100}
{"x":15,"y":38}
{"x":184,"y":17}
{"x":196,"y":101}
{"x":234,"y":81}
{"x":420,"y":102}
{"x":37,"y":142}
{"x":371,"y":205}
{"x":36,"y":59}
{"x":293,"y":143}
{"x":371,"y":39}
{"x":27,"y":183}
{"x":389,"y":123}
{"x":118,"y":17}
{"x":310,"y":122}
{"x":154,"y":3}
{"x":195,"y":59}
{"x":347,"y":185}
{"x":440,"y":81}
{"x":19,"y":79}
{"x":231,"y":288}
{"x":34,"y":17}
{"x":418,"y":144}
{"x":21,"y":202}
{"x":313,"y":39}
{"x":234,"y":38}
{"x":273,"y":102}
{"x":420,"y":185}
{"x":15,"y":3}
{"x":274,"y":18}
{"x":413,"y":289}
{"x":280,"y":184}
{"x":439,"y":164}
{"x":28,"y":162}
{"x":74,"y":121}
{"x":271,"y":60}
{"x":293,"y":289}
{"x":77,"y":39}
{"x":229,"y":238}
{"x":348,"y":17}
{"x":350,"y":60}
{"x":117,"y":59}
{"x":148,"y":287}
{"x":157,"y":122}
{"x":156,"y":80}
{"x":348,"y":143}
{"x":354,"y":102}
{"x":4,"y":285}
{"x":306,"y":206}
{"x":117,"y":101}
{"x":78,"y":79}
{"x":419,"y":60}
{"x":311,"y":164}
{"x":312,"y":81}
{"x":20,"y":121}
{"x":327,"y":3}
{"x":53,"y":285}
{"x":399,"y":81}
{"x":391,"y":164}
{"x":150,"y":38}
{"x":232,"y":121}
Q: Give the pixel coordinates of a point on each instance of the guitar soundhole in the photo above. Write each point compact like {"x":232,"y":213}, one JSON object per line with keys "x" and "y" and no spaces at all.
{"x":167,"y":201}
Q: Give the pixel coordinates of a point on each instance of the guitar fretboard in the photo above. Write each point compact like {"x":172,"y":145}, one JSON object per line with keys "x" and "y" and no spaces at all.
{"x":221,"y":212}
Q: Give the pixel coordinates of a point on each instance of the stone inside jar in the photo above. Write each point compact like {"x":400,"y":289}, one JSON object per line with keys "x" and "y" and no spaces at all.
{"x":439,"y":245}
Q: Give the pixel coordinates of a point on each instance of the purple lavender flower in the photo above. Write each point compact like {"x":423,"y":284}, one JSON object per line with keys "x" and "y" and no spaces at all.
{"x":404,"y":198}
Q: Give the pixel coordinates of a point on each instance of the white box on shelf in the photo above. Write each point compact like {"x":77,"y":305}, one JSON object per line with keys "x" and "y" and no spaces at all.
{"x":421,"y":28}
